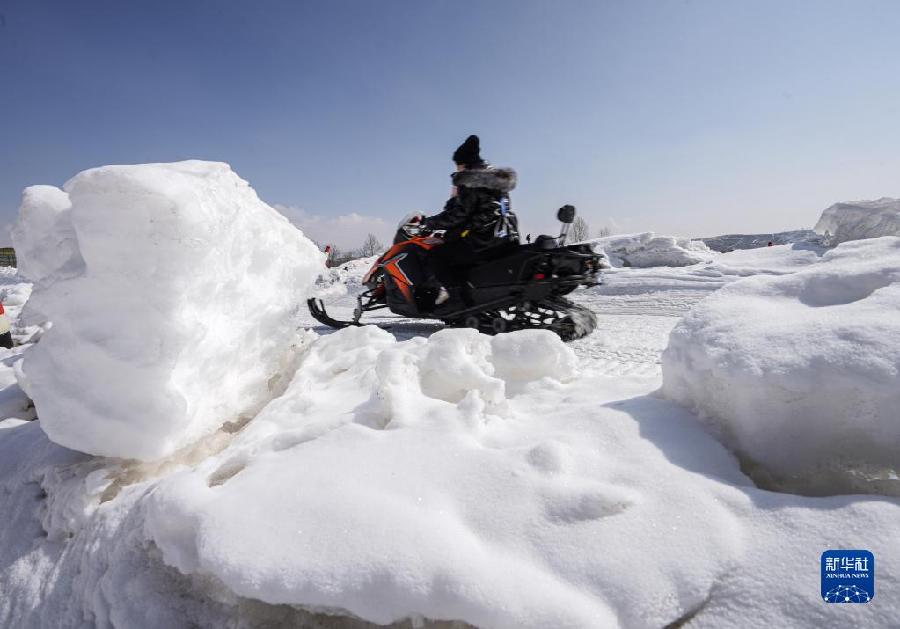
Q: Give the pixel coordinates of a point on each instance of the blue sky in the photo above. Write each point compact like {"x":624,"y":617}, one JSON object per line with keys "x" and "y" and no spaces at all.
{"x":688,"y":117}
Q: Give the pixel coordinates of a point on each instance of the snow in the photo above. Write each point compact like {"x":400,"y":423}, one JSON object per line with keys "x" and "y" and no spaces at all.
{"x":45,"y":241}
{"x":173,"y":292}
{"x":559,"y":496}
{"x":800,"y":374}
{"x":647,"y":249}
{"x":860,"y":219}
{"x":344,"y":279}
{"x":15,"y":291}
{"x":417,"y":474}
{"x":429,"y":476}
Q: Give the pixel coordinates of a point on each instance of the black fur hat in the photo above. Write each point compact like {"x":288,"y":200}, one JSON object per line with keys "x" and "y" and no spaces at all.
{"x":469,"y":153}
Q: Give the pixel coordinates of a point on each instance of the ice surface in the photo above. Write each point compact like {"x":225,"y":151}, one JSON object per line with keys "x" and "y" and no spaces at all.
{"x":173,"y":310}
{"x":860,"y":219}
{"x":647,"y":249}
{"x":800,"y":373}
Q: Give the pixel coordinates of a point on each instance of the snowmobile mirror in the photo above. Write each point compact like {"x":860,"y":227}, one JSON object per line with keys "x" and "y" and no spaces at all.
{"x":566,"y":214}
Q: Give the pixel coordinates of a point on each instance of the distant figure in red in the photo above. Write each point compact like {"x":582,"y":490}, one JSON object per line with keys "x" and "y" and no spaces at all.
{"x":770,"y":244}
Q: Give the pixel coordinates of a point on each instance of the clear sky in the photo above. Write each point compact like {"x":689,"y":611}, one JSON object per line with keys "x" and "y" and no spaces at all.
{"x":684,"y":117}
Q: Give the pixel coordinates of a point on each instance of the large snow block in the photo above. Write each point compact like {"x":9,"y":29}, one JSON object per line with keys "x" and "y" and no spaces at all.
{"x":861,"y":219}
{"x":173,"y":309}
{"x":800,"y":373}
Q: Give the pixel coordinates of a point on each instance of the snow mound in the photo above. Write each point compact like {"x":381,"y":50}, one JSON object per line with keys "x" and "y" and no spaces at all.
{"x":173,"y":293}
{"x":441,"y":477}
{"x":647,"y":249}
{"x":860,"y":219}
{"x":774,"y":260}
{"x":344,"y":279}
{"x":800,"y":374}
{"x":15,"y":291}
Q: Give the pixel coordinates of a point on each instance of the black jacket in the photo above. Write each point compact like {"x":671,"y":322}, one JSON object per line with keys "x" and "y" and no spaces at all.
{"x":480,"y":212}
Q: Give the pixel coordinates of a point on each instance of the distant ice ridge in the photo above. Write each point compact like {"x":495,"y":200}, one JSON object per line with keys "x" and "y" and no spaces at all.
{"x":733,"y":242}
{"x":647,"y":249}
{"x":860,"y":219}
{"x":800,"y":373}
{"x":173,"y":294}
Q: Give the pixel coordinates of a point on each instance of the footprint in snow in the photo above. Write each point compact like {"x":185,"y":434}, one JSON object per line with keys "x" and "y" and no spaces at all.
{"x":593,"y":503}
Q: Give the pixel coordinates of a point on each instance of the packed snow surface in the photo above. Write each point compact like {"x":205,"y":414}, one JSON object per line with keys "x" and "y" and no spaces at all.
{"x":800,"y":373}
{"x":647,"y":249}
{"x":173,"y":293}
{"x":860,"y":219}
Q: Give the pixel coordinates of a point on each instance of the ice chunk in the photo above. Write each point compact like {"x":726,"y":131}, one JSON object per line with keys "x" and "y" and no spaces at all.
{"x":173,"y":310}
{"x":860,"y":219}
{"x":800,"y":373}
{"x":647,"y":249}
{"x":531,"y":355}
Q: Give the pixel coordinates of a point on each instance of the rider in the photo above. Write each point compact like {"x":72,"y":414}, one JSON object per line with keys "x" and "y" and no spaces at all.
{"x":477,"y":220}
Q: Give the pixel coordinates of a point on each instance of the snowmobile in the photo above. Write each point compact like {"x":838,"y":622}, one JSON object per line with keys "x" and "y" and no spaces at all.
{"x":521,"y":287}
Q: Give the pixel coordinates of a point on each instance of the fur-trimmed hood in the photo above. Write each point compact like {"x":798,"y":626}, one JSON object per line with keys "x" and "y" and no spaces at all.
{"x":502,"y":179}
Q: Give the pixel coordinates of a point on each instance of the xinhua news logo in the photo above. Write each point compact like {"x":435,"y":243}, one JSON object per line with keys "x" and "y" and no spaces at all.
{"x":848,"y":576}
